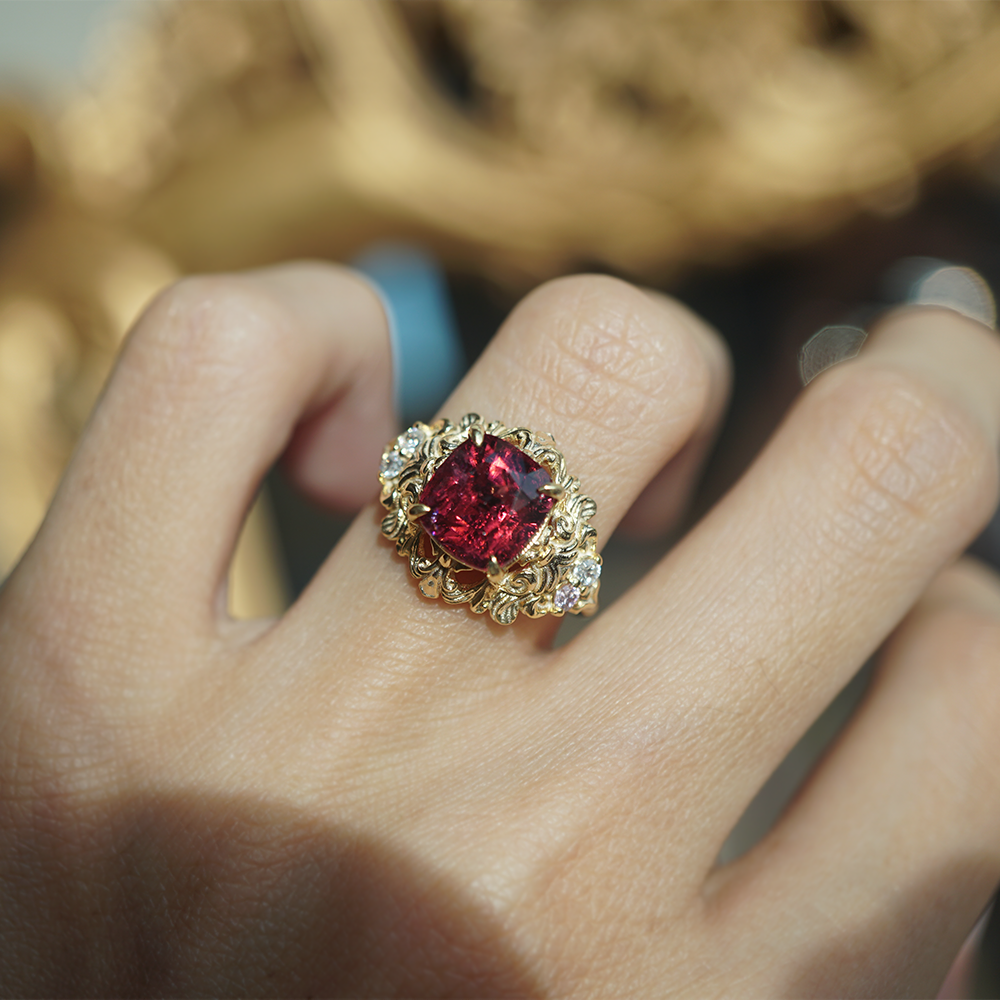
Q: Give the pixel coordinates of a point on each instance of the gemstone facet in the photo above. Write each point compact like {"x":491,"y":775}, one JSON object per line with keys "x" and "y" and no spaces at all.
{"x":587,"y":572}
{"x":410,"y":440}
{"x":392,"y":465}
{"x":484,"y":502}
{"x":566,"y":597}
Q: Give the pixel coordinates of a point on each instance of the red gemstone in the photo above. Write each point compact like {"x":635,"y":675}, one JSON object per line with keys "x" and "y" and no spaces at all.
{"x":484,"y":502}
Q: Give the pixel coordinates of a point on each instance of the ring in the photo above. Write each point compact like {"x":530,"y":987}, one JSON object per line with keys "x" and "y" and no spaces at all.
{"x":487,"y":515}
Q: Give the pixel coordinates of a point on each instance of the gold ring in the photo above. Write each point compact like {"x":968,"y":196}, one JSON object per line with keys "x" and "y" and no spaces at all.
{"x":487,"y":515}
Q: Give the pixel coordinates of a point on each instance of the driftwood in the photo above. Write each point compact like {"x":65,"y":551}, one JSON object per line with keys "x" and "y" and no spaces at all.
{"x":517,"y":138}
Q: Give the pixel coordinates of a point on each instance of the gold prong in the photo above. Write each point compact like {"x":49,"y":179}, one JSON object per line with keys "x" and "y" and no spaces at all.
{"x":493,"y":571}
{"x":476,"y":433}
{"x":417,"y":510}
{"x":553,"y":490}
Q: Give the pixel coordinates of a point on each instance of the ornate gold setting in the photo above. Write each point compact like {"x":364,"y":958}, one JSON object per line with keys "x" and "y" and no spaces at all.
{"x":558,"y":570}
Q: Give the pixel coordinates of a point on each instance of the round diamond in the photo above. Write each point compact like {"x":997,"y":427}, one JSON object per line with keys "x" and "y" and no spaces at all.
{"x":392,"y":465}
{"x":587,"y":572}
{"x":410,"y":440}
{"x":566,"y":597}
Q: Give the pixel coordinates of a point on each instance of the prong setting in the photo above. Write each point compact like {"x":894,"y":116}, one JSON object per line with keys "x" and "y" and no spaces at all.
{"x":417,"y":510}
{"x":494,"y":572}
{"x":553,"y":490}
{"x":476,"y":433}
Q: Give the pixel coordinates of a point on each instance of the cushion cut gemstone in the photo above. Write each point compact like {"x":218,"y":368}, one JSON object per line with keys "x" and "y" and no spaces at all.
{"x":484,"y":502}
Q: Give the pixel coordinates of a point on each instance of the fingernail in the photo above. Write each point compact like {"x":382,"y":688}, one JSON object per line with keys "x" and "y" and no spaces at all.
{"x":918,"y":281}
{"x":828,"y":347}
{"x":927,"y":281}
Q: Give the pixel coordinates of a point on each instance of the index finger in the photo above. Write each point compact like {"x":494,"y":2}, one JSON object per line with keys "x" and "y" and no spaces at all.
{"x":206,"y":394}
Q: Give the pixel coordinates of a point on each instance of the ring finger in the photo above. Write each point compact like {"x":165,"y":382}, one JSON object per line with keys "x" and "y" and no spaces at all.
{"x":621,"y":379}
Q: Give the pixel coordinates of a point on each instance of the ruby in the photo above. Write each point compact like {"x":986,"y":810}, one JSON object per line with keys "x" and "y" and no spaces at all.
{"x":485,"y":501}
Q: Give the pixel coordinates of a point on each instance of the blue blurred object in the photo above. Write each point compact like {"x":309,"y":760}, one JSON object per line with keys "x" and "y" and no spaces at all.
{"x":427,"y":353}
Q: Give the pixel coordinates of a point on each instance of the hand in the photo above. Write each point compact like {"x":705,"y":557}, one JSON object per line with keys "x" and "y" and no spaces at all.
{"x":383,"y":795}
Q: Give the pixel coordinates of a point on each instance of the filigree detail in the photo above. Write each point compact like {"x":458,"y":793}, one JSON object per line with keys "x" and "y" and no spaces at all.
{"x":528,"y":586}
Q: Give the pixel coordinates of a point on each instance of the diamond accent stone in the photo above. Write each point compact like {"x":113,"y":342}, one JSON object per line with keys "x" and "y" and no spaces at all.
{"x":485,"y":502}
{"x":410,"y":440}
{"x":566,"y":597}
{"x":392,"y":465}
{"x":587,"y":572}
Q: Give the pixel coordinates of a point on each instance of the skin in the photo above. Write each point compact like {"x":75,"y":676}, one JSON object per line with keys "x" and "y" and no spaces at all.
{"x":382,"y":795}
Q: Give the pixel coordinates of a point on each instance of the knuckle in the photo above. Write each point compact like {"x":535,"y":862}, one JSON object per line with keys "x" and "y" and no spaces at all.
{"x":908,"y":454}
{"x":209,"y":329}
{"x":614,"y":355}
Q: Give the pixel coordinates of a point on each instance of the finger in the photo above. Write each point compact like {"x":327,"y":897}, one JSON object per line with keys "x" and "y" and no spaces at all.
{"x":623,"y":380}
{"x":884,"y":470}
{"x":959,"y":983}
{"x":206,"y":394}
{"x":896,"y":833}
{"x":620,"y":380}
{"x":662,"y":504}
